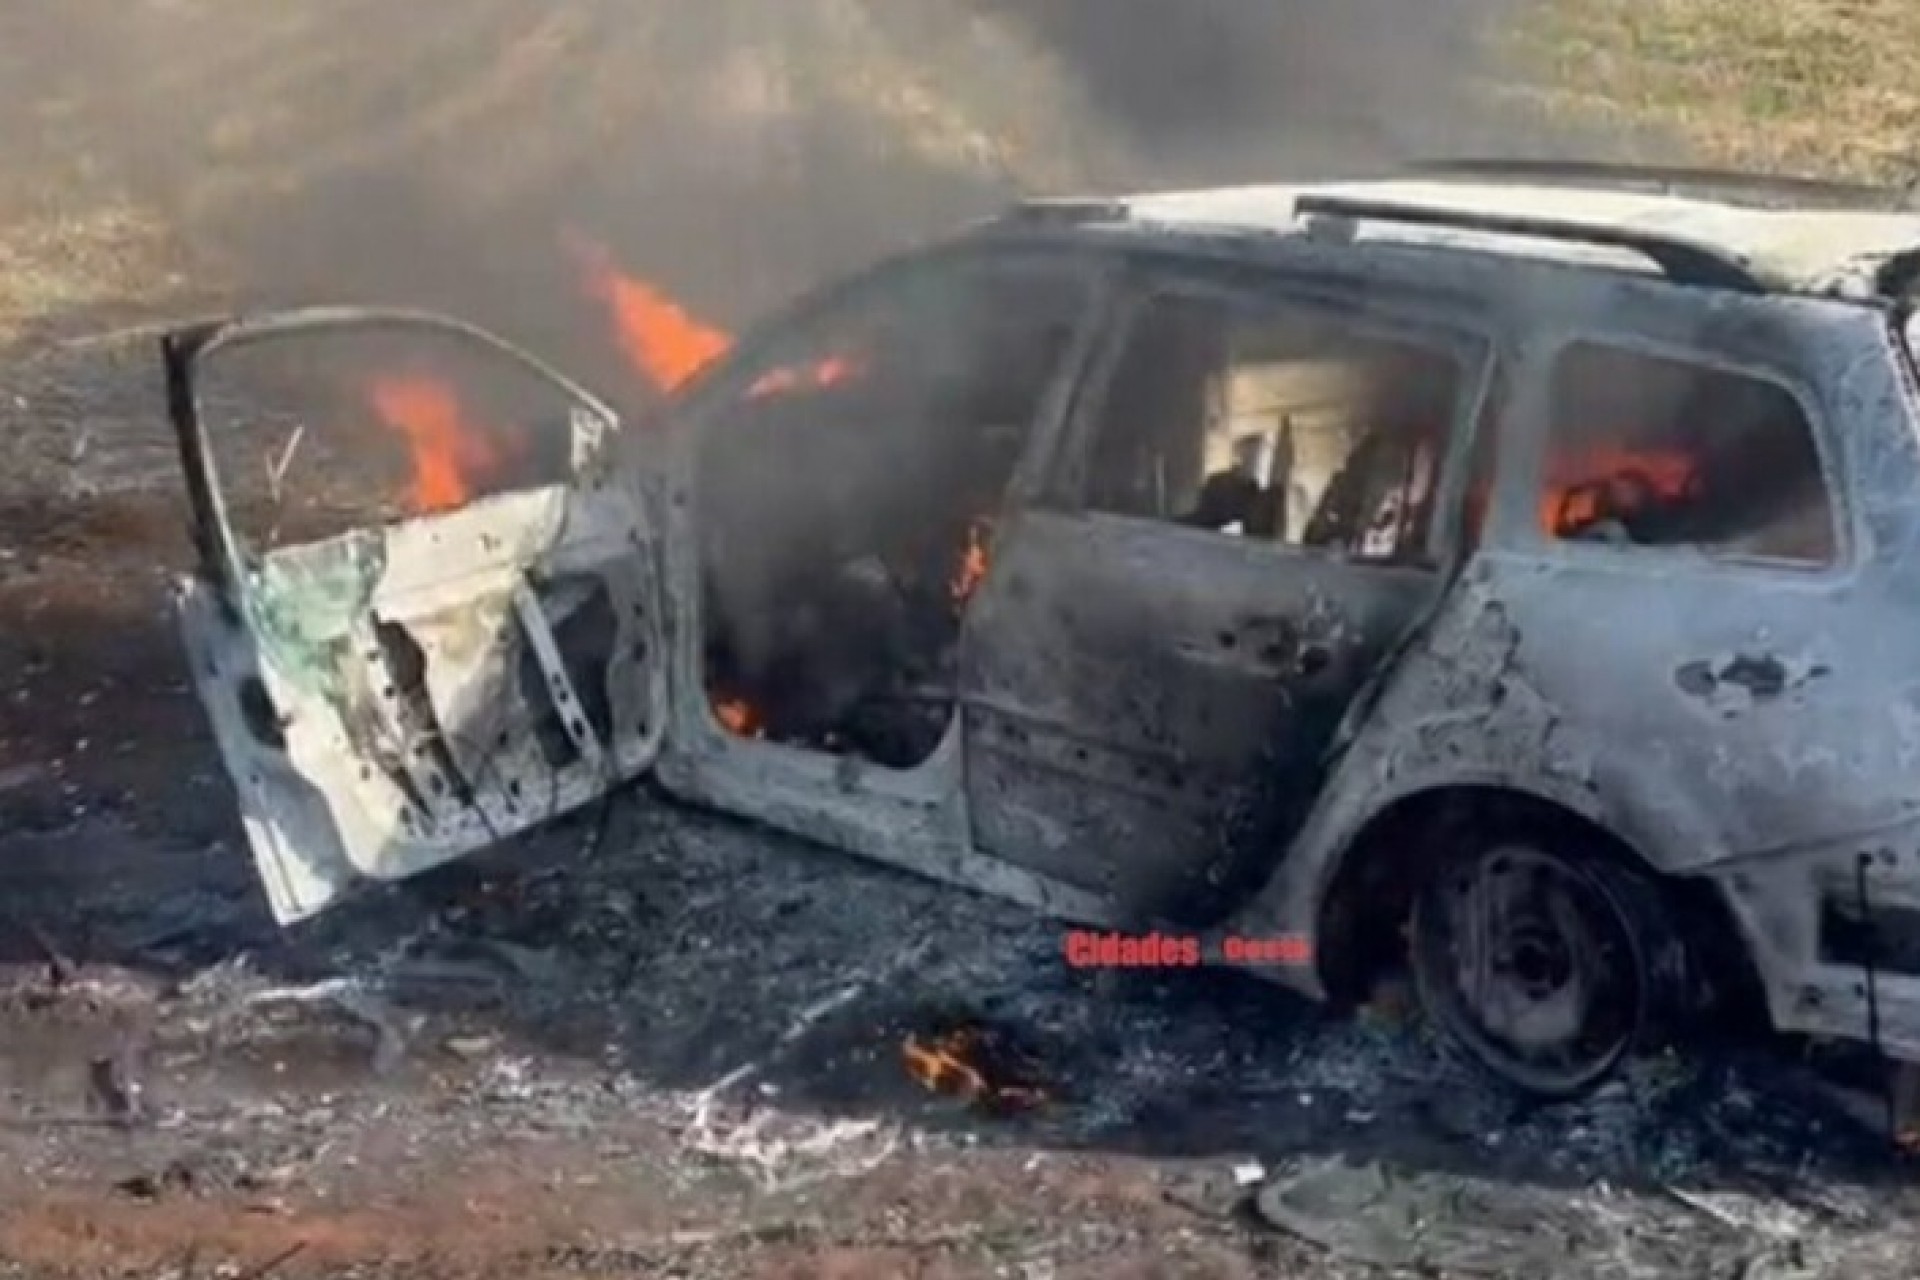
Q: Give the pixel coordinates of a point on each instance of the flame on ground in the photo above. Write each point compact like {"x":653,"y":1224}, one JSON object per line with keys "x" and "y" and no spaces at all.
{"x":960,"y":1063}
{"x":453,"y":456}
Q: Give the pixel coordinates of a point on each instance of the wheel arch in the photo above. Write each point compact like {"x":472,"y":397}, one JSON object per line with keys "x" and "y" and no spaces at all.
{"x":1367,"y":888}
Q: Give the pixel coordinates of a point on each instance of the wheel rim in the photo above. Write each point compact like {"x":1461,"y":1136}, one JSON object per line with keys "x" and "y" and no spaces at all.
{"x":1532,"y":965}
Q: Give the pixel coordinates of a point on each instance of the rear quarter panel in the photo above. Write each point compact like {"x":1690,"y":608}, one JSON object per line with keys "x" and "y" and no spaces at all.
{"x":1620,"y":683}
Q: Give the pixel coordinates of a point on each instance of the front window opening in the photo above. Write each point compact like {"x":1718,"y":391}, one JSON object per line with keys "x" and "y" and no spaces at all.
{"x":848,"y":488}
{"x":317,"y":432}
{"x":1650,"y":451}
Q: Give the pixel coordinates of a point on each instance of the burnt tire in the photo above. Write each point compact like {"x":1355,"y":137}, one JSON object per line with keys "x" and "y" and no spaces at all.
{"x":1544,"y":959}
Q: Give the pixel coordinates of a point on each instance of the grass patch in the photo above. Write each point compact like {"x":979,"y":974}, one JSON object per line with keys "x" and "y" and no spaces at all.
{"x":1823,"y":87}
{"x":55,"y":263}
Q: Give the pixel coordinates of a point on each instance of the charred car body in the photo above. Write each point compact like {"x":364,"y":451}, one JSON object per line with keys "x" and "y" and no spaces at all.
{"x":1517,"y":571}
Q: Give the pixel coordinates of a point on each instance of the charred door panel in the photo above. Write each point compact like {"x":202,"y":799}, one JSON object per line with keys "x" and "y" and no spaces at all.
{"x":1243,"y":522}
{"x":447,"y":636}
{"x":1147,"y":707}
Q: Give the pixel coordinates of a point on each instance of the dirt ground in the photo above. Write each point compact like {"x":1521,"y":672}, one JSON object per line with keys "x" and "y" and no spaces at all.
{"x":663,"y":1043}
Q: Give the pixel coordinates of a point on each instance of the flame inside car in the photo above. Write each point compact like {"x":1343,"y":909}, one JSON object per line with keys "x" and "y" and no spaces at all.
{"x":457,"y":455}
{"x":454,"y":457}
{"x":972,"y":569}
{"x":785,"y":380}
{"x":667,"y":345}
{"x":738,"y":716}
{"x":1593,"y":485}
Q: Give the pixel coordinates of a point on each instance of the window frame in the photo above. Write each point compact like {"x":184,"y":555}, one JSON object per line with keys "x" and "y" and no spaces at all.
{"x":700,"y":407}
{"x":1418,"y":318}
{"x":777,"y":341}
{"x":1536,"y":416}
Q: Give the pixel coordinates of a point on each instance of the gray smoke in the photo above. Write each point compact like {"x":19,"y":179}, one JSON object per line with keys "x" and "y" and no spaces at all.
{"x":731,"y":150}
{"x":1233,"y":90}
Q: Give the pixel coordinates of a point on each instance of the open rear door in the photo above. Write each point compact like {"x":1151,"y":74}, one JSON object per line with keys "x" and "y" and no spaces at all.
{"x":427,"y":613}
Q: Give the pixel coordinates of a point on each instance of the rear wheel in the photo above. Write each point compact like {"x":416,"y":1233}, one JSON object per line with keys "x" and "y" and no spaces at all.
{"x":1543,"y":960}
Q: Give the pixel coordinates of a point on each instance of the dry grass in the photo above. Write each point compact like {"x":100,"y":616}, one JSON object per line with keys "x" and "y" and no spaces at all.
{"x":62,"y":263}
{"x":1827,"y":87}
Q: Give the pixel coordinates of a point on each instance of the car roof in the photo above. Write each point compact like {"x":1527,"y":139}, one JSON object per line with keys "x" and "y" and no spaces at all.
{"x":1802,"y":247}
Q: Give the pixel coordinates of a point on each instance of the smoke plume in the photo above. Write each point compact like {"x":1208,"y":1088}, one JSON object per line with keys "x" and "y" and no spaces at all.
{"x":732,"y":150}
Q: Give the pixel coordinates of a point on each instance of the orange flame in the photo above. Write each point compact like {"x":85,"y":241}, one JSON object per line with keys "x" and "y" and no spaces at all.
{"x":1569,"y":500}
{"x":667,"y":345}
{"x":959,"y":1063}
{"x":972,"y":569}
{"x":452,"y":455}
{"x":830,"y":372}
{"x":738,"y":716}
{"x":657,"y":335}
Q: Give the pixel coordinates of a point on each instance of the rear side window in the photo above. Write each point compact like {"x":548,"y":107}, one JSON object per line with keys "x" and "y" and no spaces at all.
{"x":1649,"y":451}
{"x":1271,"y":419}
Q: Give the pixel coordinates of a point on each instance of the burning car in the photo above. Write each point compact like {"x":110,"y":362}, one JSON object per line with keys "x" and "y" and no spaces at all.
{"x":1511,"y":570}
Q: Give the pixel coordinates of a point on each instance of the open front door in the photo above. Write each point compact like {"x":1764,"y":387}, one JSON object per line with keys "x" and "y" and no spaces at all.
{"x":427,"y":613}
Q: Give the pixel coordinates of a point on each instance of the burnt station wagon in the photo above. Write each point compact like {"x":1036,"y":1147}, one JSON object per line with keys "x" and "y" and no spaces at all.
{"x":1508,"y":571}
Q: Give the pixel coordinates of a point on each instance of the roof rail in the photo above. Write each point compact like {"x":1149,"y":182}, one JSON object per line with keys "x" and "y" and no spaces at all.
{"x":1683,"y":261}
{"x":1063,"y":211}
{"x":1673,"y":180}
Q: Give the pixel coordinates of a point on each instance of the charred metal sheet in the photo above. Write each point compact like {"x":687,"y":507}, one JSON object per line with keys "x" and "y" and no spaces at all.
{"x":1731,"y":683}
{"x":1147,"y":706}
{"x":1855,"y":932}
{"x":400,"y":693}
{"x":370,"y":691}
{"x":566,"y":699}
{"x":1861,"y":986}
